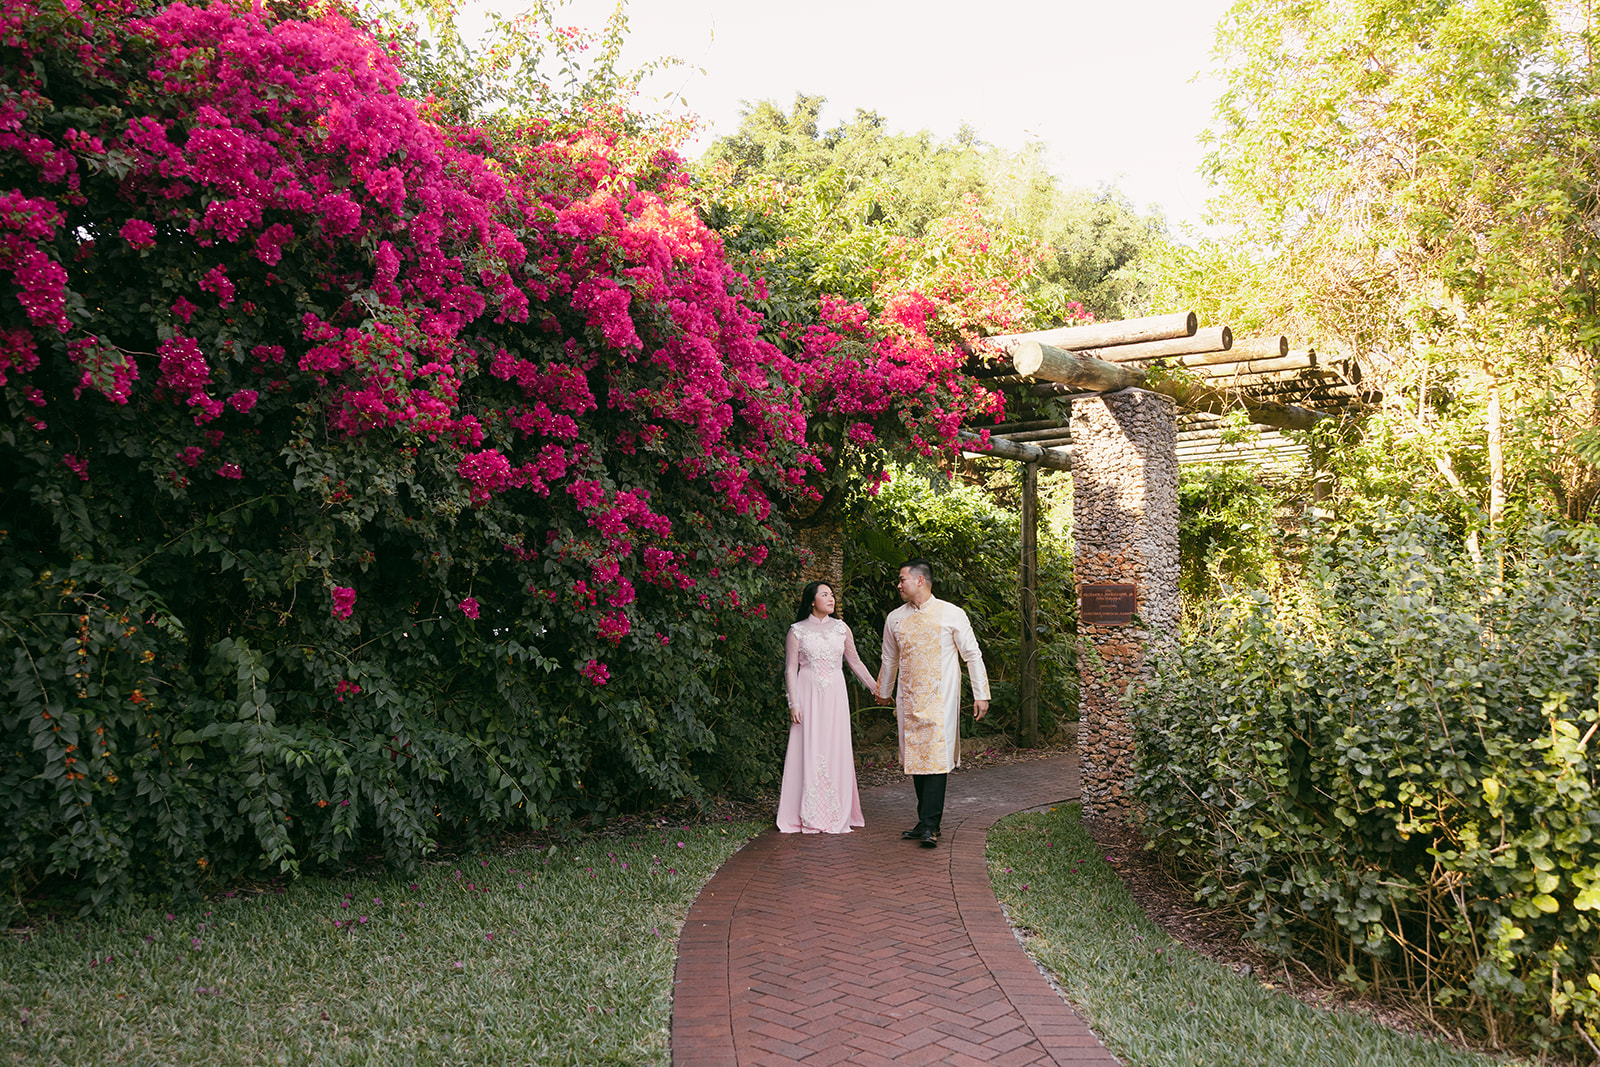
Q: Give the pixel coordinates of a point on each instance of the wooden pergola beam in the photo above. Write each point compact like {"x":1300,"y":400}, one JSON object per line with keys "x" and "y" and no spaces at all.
{"x":1213,"y":340}
{"x":1066,"y":367}
{"x":1101,"y":334}
{"x":1044,"y":433}
{"x":1301,"y":360}
{"x":1056,"y":459}
{"x":1003,"y":428}
{"x":1260,"y":347}
{"x":1085,"y":372}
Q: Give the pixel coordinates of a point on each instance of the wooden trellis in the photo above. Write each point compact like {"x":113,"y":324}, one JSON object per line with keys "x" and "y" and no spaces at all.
{"x":1277,"y":387}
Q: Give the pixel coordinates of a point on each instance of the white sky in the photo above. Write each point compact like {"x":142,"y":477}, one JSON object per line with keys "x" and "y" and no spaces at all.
{"x":1109,"y":87}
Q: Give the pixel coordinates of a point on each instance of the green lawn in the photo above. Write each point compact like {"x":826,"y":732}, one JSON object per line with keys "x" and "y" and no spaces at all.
{"x":566,"y":957}
{"x":550,"y":958}
{"x":1152,"y":1001}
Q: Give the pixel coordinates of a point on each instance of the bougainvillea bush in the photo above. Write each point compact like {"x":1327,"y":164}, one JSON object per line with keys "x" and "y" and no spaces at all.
{"x":365,"y":477}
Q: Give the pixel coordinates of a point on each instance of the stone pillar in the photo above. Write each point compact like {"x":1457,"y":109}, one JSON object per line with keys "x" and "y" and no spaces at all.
{"x":825,"y":543}
{"x":1124,"y":532}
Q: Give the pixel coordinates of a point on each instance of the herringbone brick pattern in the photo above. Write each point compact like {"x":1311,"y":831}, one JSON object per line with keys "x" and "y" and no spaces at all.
{"x":865,"y":949}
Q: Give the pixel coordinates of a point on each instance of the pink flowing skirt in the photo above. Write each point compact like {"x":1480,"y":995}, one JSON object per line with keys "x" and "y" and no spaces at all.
{"x":819,"y":772}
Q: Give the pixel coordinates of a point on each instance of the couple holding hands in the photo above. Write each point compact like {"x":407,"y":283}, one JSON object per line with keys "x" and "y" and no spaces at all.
{"x":925,"y":641}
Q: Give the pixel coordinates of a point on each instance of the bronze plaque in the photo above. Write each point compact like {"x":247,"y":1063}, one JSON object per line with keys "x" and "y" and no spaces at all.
{"x":1107,"y":605}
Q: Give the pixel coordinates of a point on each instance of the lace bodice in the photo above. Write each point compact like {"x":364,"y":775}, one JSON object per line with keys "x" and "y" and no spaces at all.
{"x":817,"y":647}
{"x":821,"y":646}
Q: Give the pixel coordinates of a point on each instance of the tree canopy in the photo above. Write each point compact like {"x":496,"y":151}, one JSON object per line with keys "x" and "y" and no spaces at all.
{"x":1412,"y":183}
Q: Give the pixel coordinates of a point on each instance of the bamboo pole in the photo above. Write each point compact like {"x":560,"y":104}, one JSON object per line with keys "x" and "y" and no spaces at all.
{"x":1100,"y":334}
{"x":1056,"y":459}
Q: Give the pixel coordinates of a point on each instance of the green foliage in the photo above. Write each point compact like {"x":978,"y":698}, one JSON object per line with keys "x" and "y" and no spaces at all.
{"x":1228,"y":534}
{"x":1395,"y":775}
{"x":1412,"y":184}
{"x":973,"y":544}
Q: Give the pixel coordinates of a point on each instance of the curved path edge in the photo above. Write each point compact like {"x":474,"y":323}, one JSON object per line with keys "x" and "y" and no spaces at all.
{"x":730,"y":1009}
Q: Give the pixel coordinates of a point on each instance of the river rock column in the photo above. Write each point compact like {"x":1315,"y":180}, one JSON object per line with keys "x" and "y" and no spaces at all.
{"x":823,"y":543}
{"x":1125,"y":532}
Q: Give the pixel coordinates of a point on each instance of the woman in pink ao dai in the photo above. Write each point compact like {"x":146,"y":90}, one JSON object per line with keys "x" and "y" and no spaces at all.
{"x":819,"y":773}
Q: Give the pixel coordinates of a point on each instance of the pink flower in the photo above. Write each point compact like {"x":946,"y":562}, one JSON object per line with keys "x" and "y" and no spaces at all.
{"x":138,"y":233}
{"x":230,"y":470}
{"x":344,"y":601}
{"x":76,"y":466}
{"x":217,"y":281}
{"x":596,"y":672}
{"x":469,"y":607}
{"x":191,"y":455}
{"x":243,"y":400}
{"x":615,"y":626}
{"x":489,"y":472}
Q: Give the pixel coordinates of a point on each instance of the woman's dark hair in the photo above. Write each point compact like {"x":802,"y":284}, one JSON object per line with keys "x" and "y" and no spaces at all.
{"x":808,"y":598}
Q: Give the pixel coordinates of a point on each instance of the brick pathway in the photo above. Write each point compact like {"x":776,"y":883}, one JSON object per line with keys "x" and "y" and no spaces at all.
{"x":865,"y":949}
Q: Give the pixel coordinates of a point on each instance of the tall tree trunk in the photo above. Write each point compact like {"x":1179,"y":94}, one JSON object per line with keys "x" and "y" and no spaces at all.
{"x":1497,"y":456}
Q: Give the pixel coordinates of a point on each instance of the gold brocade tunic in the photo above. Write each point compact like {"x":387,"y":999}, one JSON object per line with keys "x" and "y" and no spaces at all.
{"x":925,"y":646}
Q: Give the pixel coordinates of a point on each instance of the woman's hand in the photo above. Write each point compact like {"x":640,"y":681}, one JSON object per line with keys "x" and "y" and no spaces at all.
{"x":794,"y":716}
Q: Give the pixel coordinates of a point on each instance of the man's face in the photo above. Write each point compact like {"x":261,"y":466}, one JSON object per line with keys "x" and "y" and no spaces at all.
{"x":907,"y":585}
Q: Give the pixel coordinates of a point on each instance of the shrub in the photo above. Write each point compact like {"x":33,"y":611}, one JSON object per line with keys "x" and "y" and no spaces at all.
{"x":1394,"y":774}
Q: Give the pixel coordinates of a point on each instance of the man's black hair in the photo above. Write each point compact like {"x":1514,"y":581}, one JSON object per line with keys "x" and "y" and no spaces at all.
{"x":919,"y":566}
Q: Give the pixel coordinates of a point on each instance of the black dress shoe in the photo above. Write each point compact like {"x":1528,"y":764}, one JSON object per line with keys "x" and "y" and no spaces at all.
{"x":929,"y":839}
{"x":913,"y":834}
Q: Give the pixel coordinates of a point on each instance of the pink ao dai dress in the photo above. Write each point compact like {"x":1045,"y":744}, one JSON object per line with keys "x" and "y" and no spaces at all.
{"x":819,"y":772}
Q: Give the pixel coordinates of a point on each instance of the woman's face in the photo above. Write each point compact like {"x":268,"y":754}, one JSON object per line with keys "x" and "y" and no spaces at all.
{"x":822,"y":604}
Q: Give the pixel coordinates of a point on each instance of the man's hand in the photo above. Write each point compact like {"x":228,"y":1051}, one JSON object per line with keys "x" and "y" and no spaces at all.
{"x":980,"y":708}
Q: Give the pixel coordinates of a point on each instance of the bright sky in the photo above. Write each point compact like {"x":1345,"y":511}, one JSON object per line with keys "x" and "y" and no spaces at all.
{"x":1108,"y":87}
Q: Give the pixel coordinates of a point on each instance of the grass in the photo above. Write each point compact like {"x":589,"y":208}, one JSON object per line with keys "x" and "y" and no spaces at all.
{"x":558,"y":957}
{"x":1152,"y":1001}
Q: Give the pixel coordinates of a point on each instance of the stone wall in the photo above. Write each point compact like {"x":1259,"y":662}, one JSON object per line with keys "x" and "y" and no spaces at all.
{"x":1124,"y":530}
{"x":825,"y":543}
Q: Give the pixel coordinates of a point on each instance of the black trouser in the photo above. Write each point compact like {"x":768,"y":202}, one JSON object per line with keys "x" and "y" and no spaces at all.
{"x":930,"y":799}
